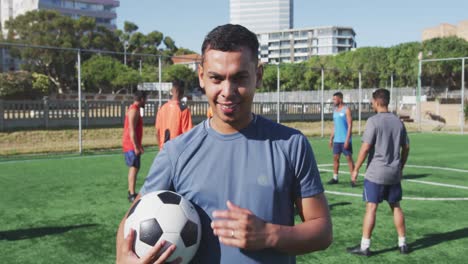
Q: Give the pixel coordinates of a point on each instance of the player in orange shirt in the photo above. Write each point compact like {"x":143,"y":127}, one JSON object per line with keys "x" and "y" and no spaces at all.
{"x":131,"y":140}
{"x":173,"y":117}
{"x":209,"y":112}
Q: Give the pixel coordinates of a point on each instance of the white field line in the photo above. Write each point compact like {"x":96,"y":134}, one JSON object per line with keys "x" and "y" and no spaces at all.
{"x":422,"y":182}
{"x":57,"y":157}
{"x":410,"y":166}
{"x":404,"y":198}
{"x":417,"y":181}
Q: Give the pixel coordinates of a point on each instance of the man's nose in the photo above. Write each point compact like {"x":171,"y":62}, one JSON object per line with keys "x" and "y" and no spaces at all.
{"x":228,"y":89}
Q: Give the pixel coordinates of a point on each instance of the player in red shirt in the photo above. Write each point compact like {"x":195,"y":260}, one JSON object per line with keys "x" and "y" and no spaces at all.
{"x":173,"y":117}
{"x":131,"y":140}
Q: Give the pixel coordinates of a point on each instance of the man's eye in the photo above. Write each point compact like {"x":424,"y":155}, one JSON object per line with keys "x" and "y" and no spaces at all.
{"x":240,"y":78}
{"x":215,"y":78}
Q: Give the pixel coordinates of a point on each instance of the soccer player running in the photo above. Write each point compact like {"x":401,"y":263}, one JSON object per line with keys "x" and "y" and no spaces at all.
{"x":340,"y":138}
{"x":174,"y":117}
{"x":131,"y":140}
{"x":386,"y":142}
{"x":244,"y":173}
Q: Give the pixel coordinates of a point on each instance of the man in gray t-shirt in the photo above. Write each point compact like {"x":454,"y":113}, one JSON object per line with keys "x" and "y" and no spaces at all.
{"x":386,"y":144}
{"x":246,"y":175}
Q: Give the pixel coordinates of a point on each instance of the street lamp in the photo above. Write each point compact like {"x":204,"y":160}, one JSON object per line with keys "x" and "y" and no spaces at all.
{"x":125,"y":51}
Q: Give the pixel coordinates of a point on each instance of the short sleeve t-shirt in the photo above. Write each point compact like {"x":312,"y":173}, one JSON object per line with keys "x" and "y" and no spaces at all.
{"x":386,"y":134}
{"x":172,"y":120}
{"x":265,"y":167}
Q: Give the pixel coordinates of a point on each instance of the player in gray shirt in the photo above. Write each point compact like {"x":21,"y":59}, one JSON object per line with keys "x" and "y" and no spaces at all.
{"x":386,"y":144}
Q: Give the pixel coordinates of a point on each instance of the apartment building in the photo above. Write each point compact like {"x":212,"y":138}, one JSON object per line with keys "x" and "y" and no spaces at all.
{"x":297,"y":45}
{"x":262,"y":15}
{"x":447,"y":30}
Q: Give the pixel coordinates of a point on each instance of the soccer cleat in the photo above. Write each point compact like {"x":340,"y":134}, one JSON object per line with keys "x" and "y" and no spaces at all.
{"x":358,"y":251}
{"x":332,"y":181}
{"x":131,"y":197}
{"x":353,"y":184}
{"x":404,"y":249}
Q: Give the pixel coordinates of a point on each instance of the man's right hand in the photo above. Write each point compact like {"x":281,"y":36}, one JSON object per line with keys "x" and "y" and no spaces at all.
{"x":126,"y":254}
{"x":330,"y":144}
{"x":354,"y":175}
{"x":139,"y":150}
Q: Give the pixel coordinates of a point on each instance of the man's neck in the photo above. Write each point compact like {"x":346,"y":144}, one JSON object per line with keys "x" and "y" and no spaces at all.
{"x":382,"y":109}
{"x":229,"y":128}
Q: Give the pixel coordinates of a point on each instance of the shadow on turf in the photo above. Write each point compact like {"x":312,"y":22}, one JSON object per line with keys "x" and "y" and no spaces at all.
{"x":415,"y":176}
{"x":331,"y":206}
{"x":39,"y":232}
{"x":430,"y":240}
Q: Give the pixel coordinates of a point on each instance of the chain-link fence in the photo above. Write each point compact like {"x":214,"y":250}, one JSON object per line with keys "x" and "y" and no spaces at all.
{"x":56,"y":88}
{"x":442,"y":96}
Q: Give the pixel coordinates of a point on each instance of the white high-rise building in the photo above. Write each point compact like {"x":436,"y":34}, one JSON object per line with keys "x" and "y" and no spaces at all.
{"x":262,"y":15}
{"x":104,"y":11}
{"x":297,"y":45}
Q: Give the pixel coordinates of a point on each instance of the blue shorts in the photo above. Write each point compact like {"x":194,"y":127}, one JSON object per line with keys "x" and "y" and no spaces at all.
{"x":338,"y":148}
{"x":376,"y":193}
{"x":131,"y":159}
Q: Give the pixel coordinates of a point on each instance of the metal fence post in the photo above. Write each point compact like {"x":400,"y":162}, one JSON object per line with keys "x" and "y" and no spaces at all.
{"x":278,"y":91}
{"x":46,"y":112}
{"x":359,"y":103}
{"x":122,"y":111}
{"x":322,"y":105}
{"x":463,"y":98}
{"x":2,"y":126}
{"x":86,"y":112}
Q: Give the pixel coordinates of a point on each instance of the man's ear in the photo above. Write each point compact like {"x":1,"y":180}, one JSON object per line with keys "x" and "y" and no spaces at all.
{"x":259,"y":75}
{"x":200,"y":77}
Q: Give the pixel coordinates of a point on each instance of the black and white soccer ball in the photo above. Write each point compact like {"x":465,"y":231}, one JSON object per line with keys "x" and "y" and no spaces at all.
{"x":165,"y":215}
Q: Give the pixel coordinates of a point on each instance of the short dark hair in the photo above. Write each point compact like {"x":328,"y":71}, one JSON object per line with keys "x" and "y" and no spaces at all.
{"x":179,"y":86}
{"x":338,"y":94}
{"x":138,"y":95}
{"x":383,"y":95}
{"x":230,"y":37}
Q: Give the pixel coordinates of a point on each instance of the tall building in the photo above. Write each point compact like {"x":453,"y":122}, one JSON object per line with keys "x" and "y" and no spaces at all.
{"x":447,"y":30}
{"x":104,"y":11}
{"x":262,"y":15}
{"x":297,"y":45}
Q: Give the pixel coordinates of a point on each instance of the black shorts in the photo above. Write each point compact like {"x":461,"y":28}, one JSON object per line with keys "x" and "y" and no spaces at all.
{"x":131,"y":159}
{"x":376,"y":193}
{"x":339,"y":148}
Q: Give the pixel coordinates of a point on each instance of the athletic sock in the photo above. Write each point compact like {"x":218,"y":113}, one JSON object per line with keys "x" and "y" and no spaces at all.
{"x":365,"y":243}
{"x":401,"y":241}
{"x":335,"y":176}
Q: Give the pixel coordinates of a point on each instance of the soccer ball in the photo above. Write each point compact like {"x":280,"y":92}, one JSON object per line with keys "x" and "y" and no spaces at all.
{"x":164,"y":215}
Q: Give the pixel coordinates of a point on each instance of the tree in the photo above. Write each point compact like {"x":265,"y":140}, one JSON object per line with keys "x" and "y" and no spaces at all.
{"x":181,"y":72}
{"x":104,"y":74}
{"x":269,"y":82}
{"x":22,"y":84}
{"x":49,"y":28}
{"x":170,"y":44}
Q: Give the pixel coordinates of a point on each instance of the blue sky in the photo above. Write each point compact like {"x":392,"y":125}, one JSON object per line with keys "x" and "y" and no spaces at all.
{"x":377,"y":22}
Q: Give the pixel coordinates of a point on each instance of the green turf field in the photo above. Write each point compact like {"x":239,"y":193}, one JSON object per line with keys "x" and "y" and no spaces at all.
{"x":66,"y":210}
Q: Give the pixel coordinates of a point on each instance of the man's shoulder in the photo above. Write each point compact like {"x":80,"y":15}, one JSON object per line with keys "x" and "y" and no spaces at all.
{"x":276,"y":131}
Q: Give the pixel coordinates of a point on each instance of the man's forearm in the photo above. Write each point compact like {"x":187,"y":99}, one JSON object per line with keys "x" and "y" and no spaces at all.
{"x":361,"y":157}
{"x":306,"y":237}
